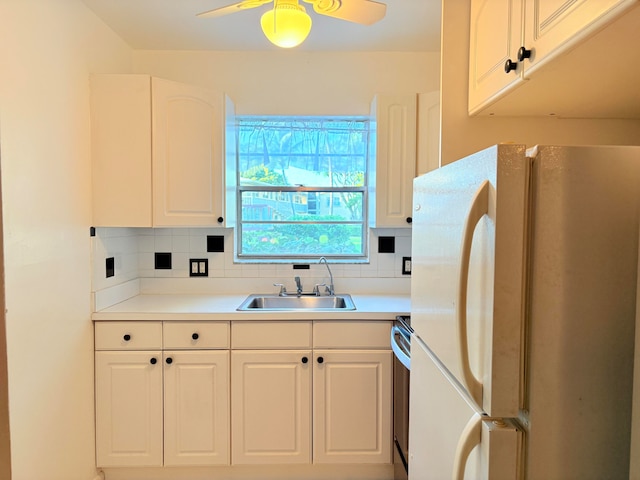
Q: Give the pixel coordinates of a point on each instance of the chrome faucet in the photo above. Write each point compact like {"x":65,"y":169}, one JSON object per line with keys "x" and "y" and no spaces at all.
{"x":299,"y":286}
{"x":329,"y":288}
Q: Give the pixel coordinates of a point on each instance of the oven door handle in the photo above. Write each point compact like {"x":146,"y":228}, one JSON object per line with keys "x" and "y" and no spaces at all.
{"x":398,"y":345}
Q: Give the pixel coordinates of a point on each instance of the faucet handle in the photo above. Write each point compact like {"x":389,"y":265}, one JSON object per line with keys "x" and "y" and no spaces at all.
{"x":316,"y":288}
{"x":283,"y":289}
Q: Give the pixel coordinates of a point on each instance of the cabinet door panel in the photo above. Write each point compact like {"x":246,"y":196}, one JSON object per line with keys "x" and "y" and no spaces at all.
{"x":271,"y":414}
{"x":128,"y":409}
{"x":495,"y":37}
{"x":352,"y":406}
{"x":554,"y":26}
{"x":196,"y":417}
{"x":121,"y":150}
{"x":187,"y":154}
{"x":395,"y":153}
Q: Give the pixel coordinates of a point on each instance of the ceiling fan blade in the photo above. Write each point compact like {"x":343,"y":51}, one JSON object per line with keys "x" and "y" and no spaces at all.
{"x":235,"y":7}
{"x":365,"y":12}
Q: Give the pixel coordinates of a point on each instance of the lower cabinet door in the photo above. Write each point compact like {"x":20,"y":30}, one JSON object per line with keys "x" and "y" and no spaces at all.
{"x":196,"y":406}
{"x":271,"y":411}
{"x":352,"y":406}
{"x":128,"y":408}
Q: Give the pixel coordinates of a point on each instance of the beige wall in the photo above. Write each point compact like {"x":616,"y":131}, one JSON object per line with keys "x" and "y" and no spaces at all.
{"x":462,"y":135}
{"x":291,"y":82}
{"x":47,"y":50}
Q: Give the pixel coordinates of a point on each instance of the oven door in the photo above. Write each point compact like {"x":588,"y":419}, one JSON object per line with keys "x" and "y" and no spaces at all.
{"x":401,"y":346}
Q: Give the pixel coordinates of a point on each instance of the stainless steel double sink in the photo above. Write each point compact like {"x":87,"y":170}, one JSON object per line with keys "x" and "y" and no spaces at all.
{"x":262,"y":302}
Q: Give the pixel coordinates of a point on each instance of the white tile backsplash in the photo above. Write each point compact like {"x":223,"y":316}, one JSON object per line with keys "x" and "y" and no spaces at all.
{"x":134,"y":248}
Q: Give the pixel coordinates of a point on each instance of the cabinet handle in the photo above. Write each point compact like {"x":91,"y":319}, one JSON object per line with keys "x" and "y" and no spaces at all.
{"x":305,"y":359}
{"x":220,"y":219}
{"x":320,"y":360}
{"x":523,"y":53}
{"x":127,"y":337}
{"x":153,"y":361}
{"x":195,"y":336}
{"x":409,"y":220}
{"x":509,"y":65}
{"x":169,"y":360}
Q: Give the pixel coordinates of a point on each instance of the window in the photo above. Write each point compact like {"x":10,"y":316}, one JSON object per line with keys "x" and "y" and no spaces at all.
{"x":301,"y":187}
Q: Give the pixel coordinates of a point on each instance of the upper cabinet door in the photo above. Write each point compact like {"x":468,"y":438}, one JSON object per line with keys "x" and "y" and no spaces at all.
{"x":121,"y":150}
{"x":495,"y":37}
{"x":553,"y":26}
{"x":188,"y":145}
{"x":395,"y":138}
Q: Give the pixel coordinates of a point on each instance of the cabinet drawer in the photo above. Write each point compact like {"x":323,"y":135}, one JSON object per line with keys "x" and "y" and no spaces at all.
{"x":200,"y":335}
{"x":341,"y":334}
{"x":277,"y":335}
{"x":128,"y":335}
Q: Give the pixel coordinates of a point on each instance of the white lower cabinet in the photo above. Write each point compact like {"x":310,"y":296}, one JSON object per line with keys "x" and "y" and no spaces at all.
{"x":337,"y":397}
{"x":128,"y":408}
{"x":196,"y":408}
{"x":352,"y":406}
{"x":271,"y":410}
{"x":288,"y":392}
{"x":161,"y":407}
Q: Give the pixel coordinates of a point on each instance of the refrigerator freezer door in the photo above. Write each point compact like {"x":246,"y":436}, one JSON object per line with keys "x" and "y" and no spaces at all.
{"x":448,"y":439}
{"x":469,"y":258}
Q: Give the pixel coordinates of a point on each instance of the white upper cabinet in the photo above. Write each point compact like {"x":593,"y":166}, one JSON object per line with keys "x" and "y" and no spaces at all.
{"x":495,"y":37}
{"x":393,"y":145}
{"x":531,"y":57}
{"x":187,"y":154}
{"x":157,"y":149}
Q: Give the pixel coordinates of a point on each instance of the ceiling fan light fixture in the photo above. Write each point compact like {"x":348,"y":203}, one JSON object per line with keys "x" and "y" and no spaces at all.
{"x":287,"y":25}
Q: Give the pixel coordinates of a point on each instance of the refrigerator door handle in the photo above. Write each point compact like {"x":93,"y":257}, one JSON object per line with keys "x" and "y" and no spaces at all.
{"x":469,"y":438}
{"x":478,"y":209}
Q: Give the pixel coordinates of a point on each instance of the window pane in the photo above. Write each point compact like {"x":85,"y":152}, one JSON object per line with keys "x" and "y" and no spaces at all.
{"x":301,"y":187}
{"x":270,"y":206}
{"x":302,"y":239}
{"x":311,"y":152}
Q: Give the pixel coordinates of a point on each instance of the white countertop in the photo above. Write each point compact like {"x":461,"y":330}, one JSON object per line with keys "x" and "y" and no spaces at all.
{"x":223,"y":307}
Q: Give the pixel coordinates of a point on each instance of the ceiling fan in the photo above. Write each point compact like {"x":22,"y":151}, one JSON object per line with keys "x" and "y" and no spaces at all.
{"x":287,"y":24}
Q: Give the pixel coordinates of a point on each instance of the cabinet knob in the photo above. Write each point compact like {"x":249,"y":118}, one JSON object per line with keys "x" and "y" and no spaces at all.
{"x":320,"y":360}
{"x":169,"y":360}
{"x":220,"y":219}
{"x":126,"y":337}
{"x":509,"y":65}
{"x":523,"y":53}
{"x":409,"y":220}
{"x":195,"y":336}
{"x":153,"y":360}
{"x":305,"y":359}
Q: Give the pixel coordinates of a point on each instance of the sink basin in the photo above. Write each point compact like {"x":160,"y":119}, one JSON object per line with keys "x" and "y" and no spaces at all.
{"x":294,"y":302}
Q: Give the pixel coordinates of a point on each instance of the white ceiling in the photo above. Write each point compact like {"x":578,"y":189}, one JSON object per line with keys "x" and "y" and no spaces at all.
{"x":409,"y":25}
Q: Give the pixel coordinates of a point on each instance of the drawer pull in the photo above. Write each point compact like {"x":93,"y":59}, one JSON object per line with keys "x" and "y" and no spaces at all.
{"x":195,"y":336}
{"x":127,"y":337}
{"x":153,"y":361}
{"x":169,"y":360}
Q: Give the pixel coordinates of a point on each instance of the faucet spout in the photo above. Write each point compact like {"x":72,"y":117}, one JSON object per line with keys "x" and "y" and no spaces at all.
{"x":329,"y":288}
{"x":298,"y":286}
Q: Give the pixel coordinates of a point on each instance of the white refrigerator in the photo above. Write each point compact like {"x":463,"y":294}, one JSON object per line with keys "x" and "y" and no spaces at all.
{"x":523,"y":297}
